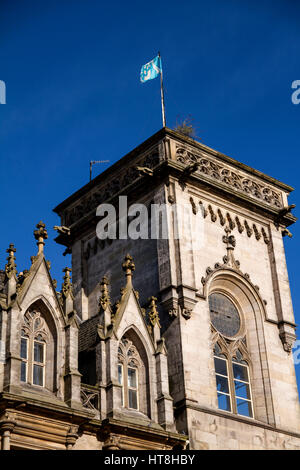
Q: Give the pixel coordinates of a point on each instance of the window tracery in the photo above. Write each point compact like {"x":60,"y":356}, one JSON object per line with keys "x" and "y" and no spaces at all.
{"x":34,"y":337}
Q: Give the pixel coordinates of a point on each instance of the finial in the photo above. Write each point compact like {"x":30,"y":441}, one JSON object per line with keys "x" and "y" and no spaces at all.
{"x":40,"y":235}
{"x":229,"y":239}
{"x":67,"y":284}
{"x":128,"y":266}
{"x":104,"y":300}
{"x":153,"y":313}
{"x":10,"y":267}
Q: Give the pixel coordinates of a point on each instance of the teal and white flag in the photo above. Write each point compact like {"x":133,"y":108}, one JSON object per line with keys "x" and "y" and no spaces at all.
{"x":151,"y":70}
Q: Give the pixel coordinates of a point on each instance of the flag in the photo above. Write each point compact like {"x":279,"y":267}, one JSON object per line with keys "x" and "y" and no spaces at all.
{"x":151,"y":70}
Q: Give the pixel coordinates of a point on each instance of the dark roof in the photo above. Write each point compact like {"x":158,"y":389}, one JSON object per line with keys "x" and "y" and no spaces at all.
{"x":88,"y":333}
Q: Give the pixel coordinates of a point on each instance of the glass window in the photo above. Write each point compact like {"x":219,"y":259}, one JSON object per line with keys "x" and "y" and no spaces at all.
{"x":224,"y":315}
{"x":23,"y":371}
{"x":120,"y":374}
{"x":24,"y":356}
{"x":131,"y":377}
{"x":242,"y":387}
{"x":220,"y":366}
{"x":23,"y":348}
{"x":128,"y":373}
{"x":32,"y":349}
{"x":232,"y":382}
{"x":132,"y":388}
{"x":38,"y":375}
{"x":38,"y":352}
{"x":224,"y":402}
{"x":120,"y":380}
{"x":222,"y":381}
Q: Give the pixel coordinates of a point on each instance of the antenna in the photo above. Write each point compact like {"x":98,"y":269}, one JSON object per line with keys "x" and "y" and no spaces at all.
{"x":94,"y":162}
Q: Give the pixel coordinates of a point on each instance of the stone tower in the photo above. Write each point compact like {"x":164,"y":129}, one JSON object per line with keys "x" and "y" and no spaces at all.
{"x":178,"y":334}
{"x":222,"y":287}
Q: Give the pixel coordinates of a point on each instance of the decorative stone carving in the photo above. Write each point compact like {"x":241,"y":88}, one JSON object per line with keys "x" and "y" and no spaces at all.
{"x":203,"y":210}
{"x":186,"y":313}
{"x":233,"y":223}
{"x":21,"y":278}
{"x":239,"y":225}
{"x":128,"y":266}
{"x":233,"y":179}
{"x":67,"y":288}
{"x":230,"y":221}
{"x":229,"y":239}
{"x":104,"y":300}
{"x":153,"y":313}
{"x":34,"y":325}
{"x":10,"y":267}
{"x":256,"y":232}
{"x":266,"y":239}
{"x":89,"y":397}
{"x":106,"y":191}
{"x":40,"y":235}
{"x":212,"y":214}
{"x":221,"y":217}
{"x":248,"y":229}
{"x":194,"y":207}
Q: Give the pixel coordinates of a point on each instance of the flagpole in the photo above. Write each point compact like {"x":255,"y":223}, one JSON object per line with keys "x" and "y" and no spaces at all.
{"x":162,"y":94}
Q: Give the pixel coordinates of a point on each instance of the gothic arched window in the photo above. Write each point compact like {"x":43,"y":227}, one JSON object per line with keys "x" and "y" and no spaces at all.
{"x":231,"y":358}
{"x":34,"y":337}
{"x":130,"y":372}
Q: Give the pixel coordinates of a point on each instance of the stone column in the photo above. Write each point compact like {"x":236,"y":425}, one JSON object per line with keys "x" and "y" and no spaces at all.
{"x":164,"y":400}
{"x":72,"y":376}
{"x":6,"y":427}
{"x":72,"y":437}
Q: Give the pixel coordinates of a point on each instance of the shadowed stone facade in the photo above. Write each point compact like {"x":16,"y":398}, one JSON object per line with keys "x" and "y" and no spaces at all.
{"x":133,"y":363}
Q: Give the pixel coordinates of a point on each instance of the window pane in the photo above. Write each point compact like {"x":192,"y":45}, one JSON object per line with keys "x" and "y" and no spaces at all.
{"x":131,"y":377}
{"x":240,"y":372}
{"x":222,"y":384}
{"x":132,"y":399}
{"x":242,"y":390}
{"x":224,"y":402}
{"x":224,"y":315}
{"x":23,"y":348}
{"x":244,"y":407}
{"x":38,"y":375}
{"x":120,"y":374}
{"x":38,"y":352}
{"x":23,"y":371}
{"x":221,"y":366}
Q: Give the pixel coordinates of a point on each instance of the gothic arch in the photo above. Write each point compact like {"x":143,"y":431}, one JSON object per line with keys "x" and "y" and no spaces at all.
{"x":38,"y":310}
{"x":143,"y":361}
{"x":252,"y":312}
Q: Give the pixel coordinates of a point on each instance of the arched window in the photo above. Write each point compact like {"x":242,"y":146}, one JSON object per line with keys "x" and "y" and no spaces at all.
{"x":129,"y":369}
{"x":34,"y":338}
{"x":231,"y":358}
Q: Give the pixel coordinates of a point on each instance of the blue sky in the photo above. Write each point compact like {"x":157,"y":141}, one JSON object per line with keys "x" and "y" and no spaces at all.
{"x":71,"y":70}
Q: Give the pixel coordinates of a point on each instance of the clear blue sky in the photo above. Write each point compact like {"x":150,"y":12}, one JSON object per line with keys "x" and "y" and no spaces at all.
{"x":73,"y":94}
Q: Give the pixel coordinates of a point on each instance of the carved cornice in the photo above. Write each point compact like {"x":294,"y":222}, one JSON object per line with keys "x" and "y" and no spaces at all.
{"x":225,"y":175}
{"x":106,"y":191}
{"x":233,"y":221}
